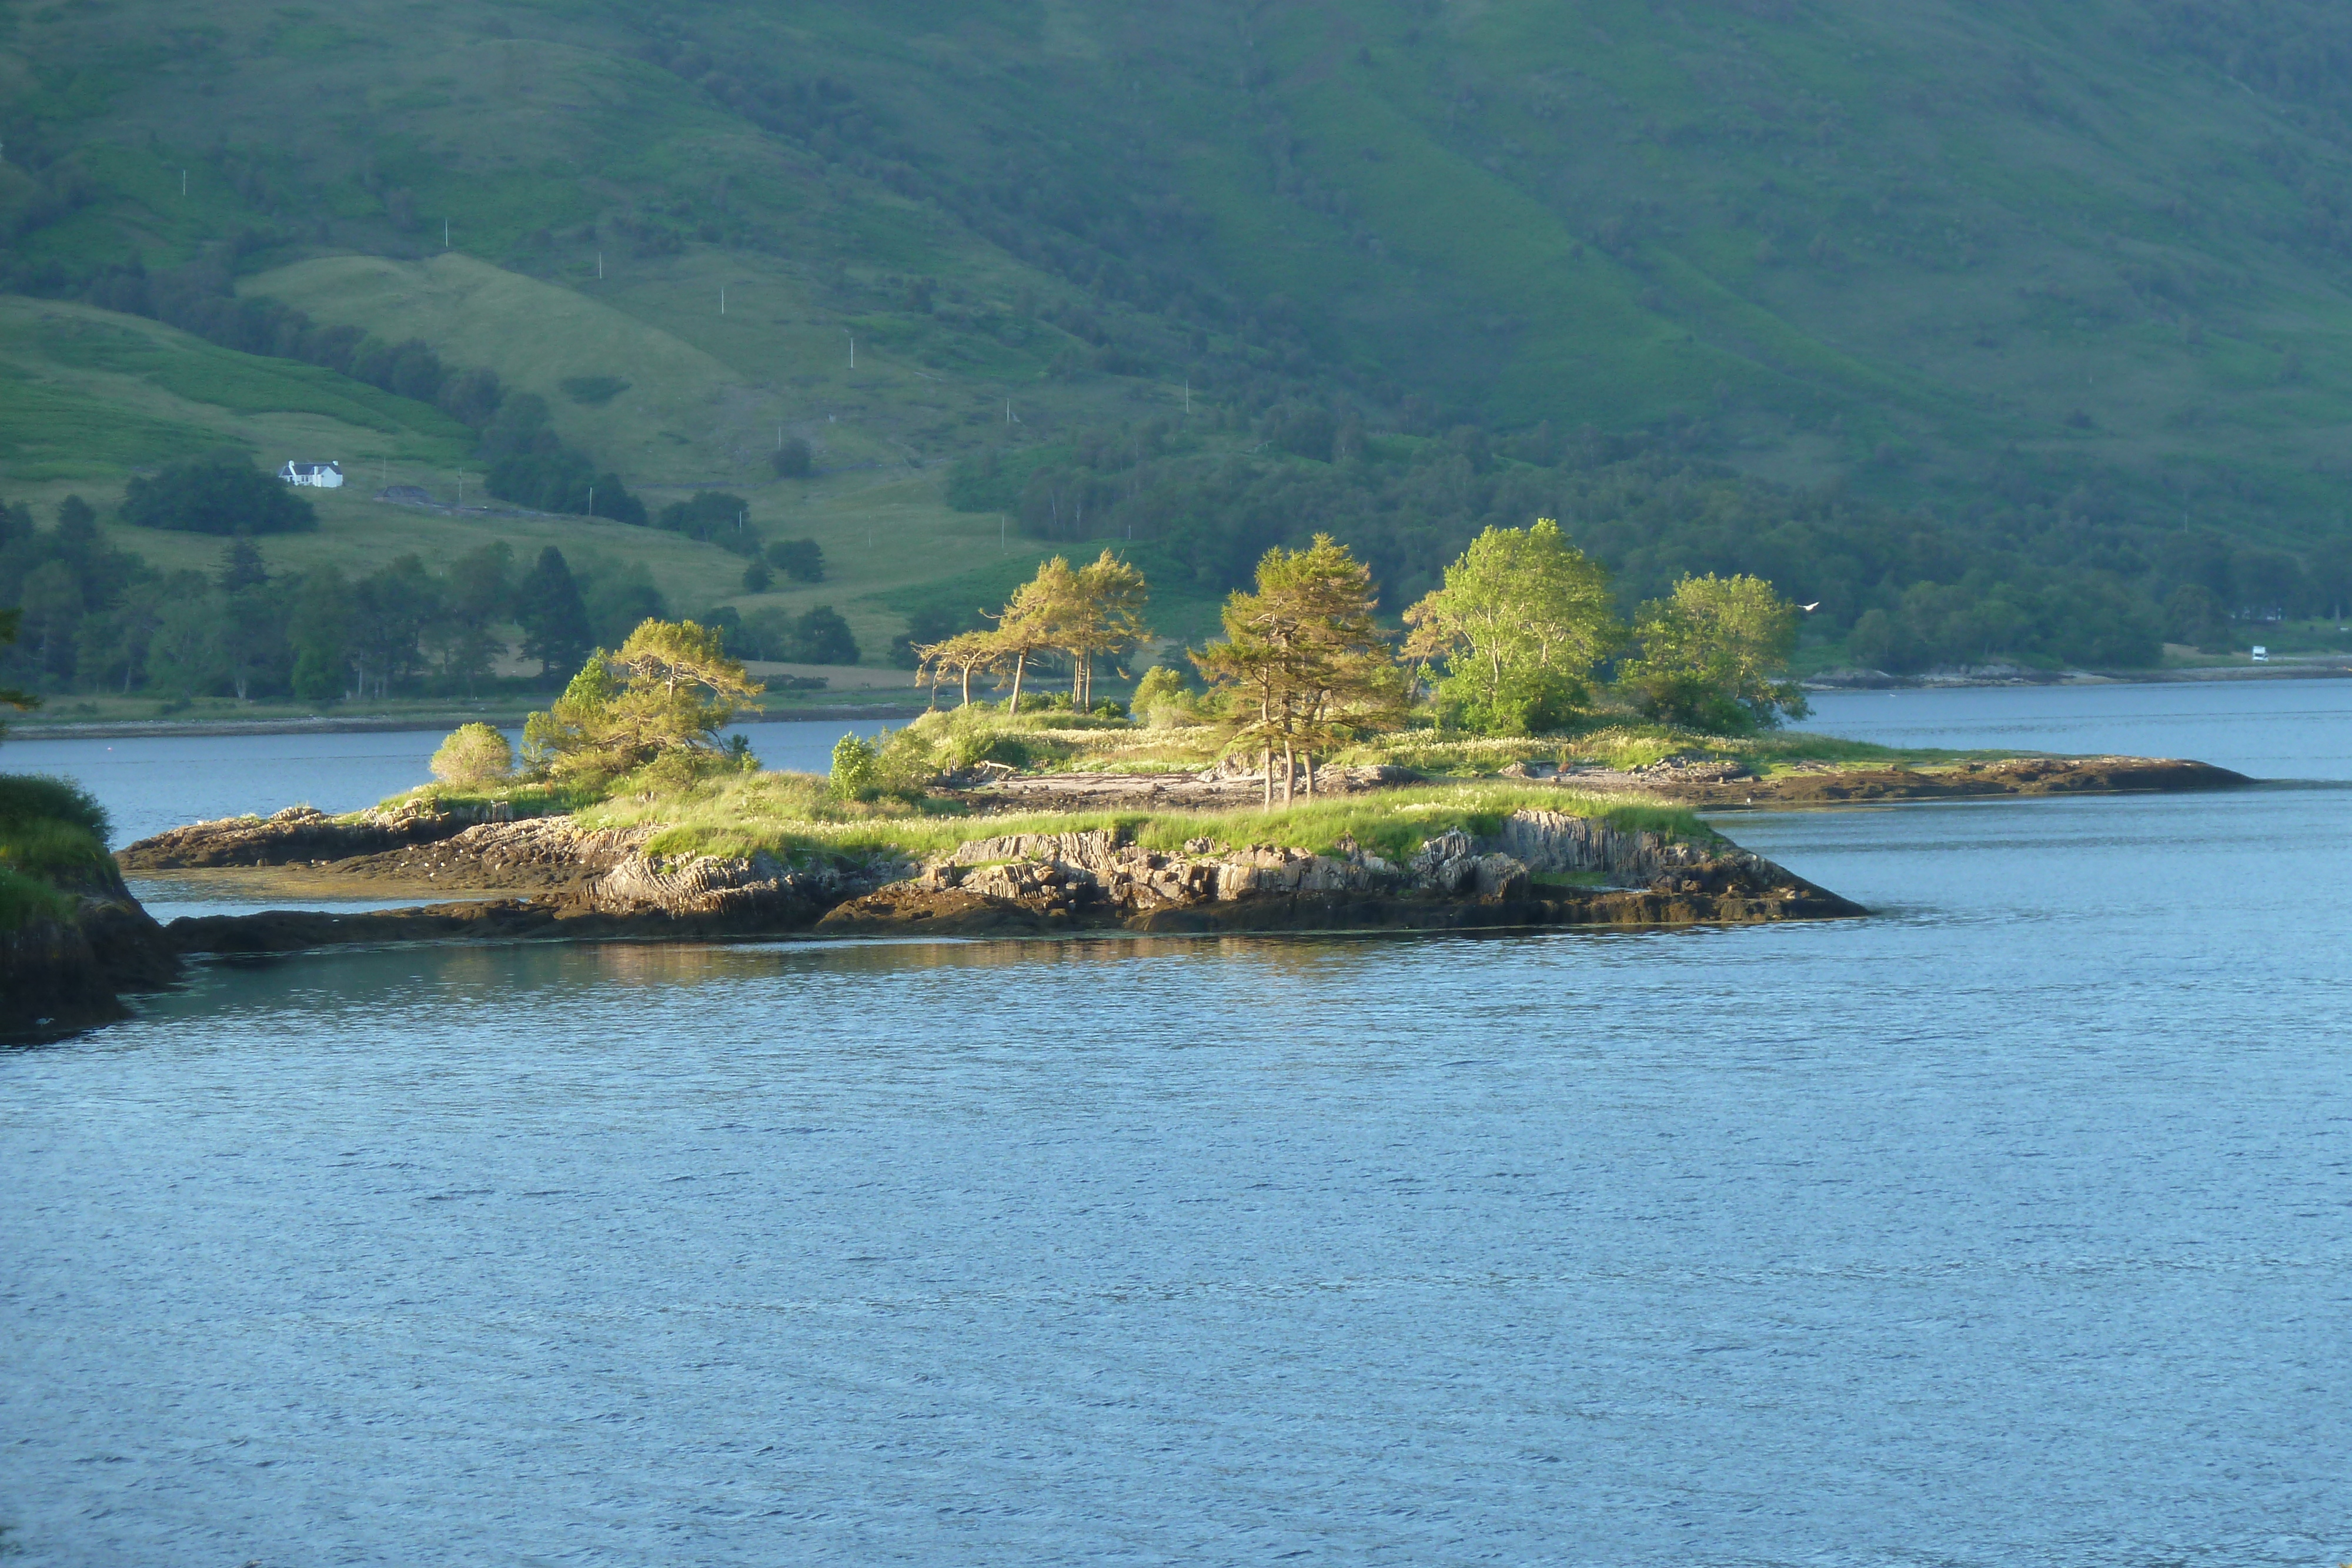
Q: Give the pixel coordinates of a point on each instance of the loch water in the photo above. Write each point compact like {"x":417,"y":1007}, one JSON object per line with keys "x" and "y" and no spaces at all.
{"x":2009,"y":1226}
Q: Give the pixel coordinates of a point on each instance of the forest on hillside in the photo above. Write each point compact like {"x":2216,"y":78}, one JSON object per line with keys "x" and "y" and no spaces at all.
{"x":1996,"y":331}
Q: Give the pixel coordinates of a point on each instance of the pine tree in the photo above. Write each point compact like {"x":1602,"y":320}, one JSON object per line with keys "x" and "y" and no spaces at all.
{"x":1305,"y":663}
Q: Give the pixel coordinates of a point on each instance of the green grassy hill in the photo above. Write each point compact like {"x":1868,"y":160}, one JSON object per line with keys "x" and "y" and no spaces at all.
{"x":2005,"y":295}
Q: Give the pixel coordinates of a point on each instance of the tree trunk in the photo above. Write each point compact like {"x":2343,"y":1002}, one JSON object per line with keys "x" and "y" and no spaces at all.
{"x":967,"y":687}
{"x":1020,"y":668}
{"x":1289,"y":773}
{"x":1265,"y":760}
{"x":1308,"y":758}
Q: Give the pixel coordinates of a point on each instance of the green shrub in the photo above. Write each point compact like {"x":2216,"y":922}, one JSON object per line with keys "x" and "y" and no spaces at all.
{"x":24,"y":900}
{"x":27,"y":799}
{"x":856,"y":771}
{"x":51,"y":849}
{"x":474,"y":755}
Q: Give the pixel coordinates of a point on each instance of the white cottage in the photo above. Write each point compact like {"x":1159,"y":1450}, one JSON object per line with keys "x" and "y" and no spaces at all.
{"x":325,"y":475}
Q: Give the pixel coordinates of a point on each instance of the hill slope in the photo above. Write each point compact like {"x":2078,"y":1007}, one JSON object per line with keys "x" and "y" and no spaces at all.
{"x":2008,"y":293}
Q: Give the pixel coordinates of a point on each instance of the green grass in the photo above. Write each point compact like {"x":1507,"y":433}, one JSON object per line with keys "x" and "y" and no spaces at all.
{"x":25,"y":900}
{"x":793,"y":817}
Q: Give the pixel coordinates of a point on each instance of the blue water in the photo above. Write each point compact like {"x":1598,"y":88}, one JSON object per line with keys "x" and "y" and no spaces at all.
{"x":2007,"y":1227}
{"x":154,"y":782}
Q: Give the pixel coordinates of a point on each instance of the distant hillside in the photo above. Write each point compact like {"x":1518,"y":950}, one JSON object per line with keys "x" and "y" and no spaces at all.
{"x":2022,"y":327}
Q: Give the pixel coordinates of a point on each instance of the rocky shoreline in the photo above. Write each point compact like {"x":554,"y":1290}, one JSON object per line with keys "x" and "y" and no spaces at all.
{"x":1540,"y":869}
{"x":481,"y":875}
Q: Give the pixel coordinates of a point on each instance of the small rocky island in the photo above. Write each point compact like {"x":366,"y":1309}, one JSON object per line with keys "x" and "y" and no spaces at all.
{"x":558,"y":877}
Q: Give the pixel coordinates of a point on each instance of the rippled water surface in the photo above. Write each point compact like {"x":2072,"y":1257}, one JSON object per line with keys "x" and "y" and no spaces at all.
{"x":2007,"y":1227}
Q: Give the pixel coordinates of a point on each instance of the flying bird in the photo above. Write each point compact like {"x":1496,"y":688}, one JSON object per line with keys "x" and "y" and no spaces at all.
{"x":1809,"y":609}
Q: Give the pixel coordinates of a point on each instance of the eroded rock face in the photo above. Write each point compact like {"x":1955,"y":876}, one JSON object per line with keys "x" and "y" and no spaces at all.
{"x":1090,"y":878}
{"x":1052,"y":882}
{"x":749,"y":888}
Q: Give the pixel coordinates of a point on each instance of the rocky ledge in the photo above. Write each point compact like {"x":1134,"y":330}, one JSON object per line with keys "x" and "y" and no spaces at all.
{"x":57,"y":975}
{"x":1540,"y":868}
{"x":299,"y":835}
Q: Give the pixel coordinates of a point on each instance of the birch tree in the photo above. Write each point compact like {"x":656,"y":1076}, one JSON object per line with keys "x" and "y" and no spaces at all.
{"x":1715,"y":656}
{"x":1521,"y":622}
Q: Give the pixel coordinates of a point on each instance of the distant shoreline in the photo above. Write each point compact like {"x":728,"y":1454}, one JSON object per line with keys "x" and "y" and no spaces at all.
{"x":327,"y":724}
{"x":1876,"y":682}
{"x":135,"y":729}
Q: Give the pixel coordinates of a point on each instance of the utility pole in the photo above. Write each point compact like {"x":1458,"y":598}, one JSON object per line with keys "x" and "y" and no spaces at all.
{"x":591,"y":500}
{"x":445,"y":234}
{"x":1188,"y":397}
{"x":461,"y":489}
{"x":599,"y":267}
{"x":184,"y":185}
{"x":722,"y":299}
{"x":853,"y":349}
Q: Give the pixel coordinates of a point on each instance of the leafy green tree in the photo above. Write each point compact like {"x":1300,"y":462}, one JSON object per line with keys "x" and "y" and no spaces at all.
{"x":241,"y":567}
{"x":553,"y":617}
{"x":799,"y":560}
{"x":319,"y":631}
{"x":793,"y":460}
{"x":715,"y":518}
{"x":222,"y":494}
{"x":1521,"y":622}
{"x":1304,"y":663}
{"x":856,"y":768}
{"x":478,"y":594}
{"x":189,"y":654}
{"x":473,"y":755}
{"x":1715,"y":655}
{"x":820,"y":636}
{"x":52,"y":605}
{"x":1160,"y":696}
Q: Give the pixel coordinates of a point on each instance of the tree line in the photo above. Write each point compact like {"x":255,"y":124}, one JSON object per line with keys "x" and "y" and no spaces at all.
{"x":1511,"y":642}
{"x":2045,"y":567}
{"x":96,"y":618}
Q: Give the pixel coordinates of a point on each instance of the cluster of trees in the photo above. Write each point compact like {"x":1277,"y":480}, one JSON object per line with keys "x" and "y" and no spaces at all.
{"x":221,"y":493}
{"x":2054,"y":568}
{"x":94,"y":618}
{"x":1082,"y":613}
{"x":1509,"y":644}
{"x":1505,"y":646}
